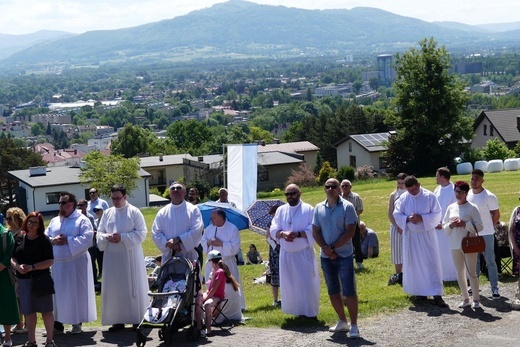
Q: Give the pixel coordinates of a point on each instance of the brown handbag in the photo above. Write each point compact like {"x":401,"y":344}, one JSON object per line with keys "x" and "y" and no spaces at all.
{"x":473,"y":244}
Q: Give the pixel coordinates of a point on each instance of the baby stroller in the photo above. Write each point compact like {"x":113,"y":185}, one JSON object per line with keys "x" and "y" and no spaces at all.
{"x":172,"y":307}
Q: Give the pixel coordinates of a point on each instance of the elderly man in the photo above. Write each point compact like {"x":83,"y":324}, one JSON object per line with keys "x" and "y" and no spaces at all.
{"x":223,"y":197}
{"x":95,"y":200}
{"x":333,"y":228}
{"x":71,"y":235}
{"x":417,"y":212}
{"x":120,"y":235}
{"x":369,"y":241}
{"x":299,"y":279}
{"x":445,"y":193}
{"x":223,"y":236}
{"x":177,"y":228}
{"x":354,"y":199}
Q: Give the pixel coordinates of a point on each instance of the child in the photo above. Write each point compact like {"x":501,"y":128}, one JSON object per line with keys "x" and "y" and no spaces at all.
{"x":215,"y":292}
{"x":253,"y":257}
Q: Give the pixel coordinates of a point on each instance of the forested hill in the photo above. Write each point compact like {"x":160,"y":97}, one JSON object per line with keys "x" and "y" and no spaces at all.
{"x":243,"y":29}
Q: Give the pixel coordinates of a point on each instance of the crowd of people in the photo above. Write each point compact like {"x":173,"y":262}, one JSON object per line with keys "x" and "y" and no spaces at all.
{"x":89,"y":241}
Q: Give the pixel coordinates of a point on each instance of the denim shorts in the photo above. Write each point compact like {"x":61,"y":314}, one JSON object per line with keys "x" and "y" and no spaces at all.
{"x":339,"y":269}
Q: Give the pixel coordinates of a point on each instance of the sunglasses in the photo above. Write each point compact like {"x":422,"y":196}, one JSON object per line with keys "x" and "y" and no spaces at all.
{"x":30,"y":222}
{"x":116,"y":199}
{"x":291,"y":193}
{"x":331,"y":187}
{"x":97,"y":210}
{"x":176,"y":188}
{"x":61,"y":203}
{"x":345,"y":185}
{"x":92,"y":193}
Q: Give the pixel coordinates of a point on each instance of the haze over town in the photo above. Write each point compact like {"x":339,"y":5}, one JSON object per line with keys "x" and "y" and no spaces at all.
{"x":78,"y":16}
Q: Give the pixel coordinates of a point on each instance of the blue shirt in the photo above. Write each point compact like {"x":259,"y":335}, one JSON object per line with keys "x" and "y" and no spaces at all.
{"x":332,"y":223}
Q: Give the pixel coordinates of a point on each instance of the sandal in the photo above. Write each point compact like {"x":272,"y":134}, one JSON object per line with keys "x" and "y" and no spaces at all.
{"x":30,"y":344}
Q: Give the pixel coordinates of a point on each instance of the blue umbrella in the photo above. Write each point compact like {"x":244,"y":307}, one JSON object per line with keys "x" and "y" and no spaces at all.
{"x":259,"y":216}
{"x":233,"y":215}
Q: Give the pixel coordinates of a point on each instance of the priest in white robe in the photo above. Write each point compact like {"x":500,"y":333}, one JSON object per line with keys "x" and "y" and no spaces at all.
{"x":223,"y":236}
{"x":121,"y":233}
{"x":71,"y":235}
{"x":177,"y":228}
{"x":299,"y":275}
{"x":417,"y":212}
{"x":445,"y":193}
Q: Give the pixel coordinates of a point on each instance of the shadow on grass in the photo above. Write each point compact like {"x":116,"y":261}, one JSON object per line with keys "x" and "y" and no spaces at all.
{"x":302,"y":323}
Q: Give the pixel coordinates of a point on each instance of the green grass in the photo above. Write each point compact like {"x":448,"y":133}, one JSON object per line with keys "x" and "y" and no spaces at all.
{"x":375,"y":296}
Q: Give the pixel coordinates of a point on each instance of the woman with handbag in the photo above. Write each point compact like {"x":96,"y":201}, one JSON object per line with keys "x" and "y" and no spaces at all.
{"x":32,"y":258}
{"x":14,"y":217}
{"x":9,"y":313}
{"x":463,"y":218}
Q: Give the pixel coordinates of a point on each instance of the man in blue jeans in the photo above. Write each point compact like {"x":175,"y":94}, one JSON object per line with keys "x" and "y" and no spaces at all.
{"x":487,"y":204}
{"x":333,"y":227}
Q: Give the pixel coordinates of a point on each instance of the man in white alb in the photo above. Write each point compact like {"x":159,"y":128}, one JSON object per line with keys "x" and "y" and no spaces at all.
{"x":445,"y":193}
{"x":417,"y":212}
{"x":299,"y":275}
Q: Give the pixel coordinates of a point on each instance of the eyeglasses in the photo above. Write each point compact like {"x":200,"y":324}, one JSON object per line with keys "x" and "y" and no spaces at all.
{"x":116,"y":198}
{"x":97,"y":210}
{"x":30,"y":222}
{"x":9,"y":218}
{"x":291,"y":193}
{"x":176,"y":188}
{"x":459,"y":191}
{"x":61,"y":203}
{"x":92,"y":193}
{"x":331,"y":187}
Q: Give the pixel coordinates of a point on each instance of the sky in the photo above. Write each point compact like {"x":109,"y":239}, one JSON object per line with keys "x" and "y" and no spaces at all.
{"x":79,"y":16}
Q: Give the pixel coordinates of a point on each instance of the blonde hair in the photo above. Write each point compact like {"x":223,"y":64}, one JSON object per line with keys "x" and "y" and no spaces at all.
{"x":17,"y":214}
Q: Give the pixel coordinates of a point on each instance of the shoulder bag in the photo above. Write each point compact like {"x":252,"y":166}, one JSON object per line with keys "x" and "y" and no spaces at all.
{"x":473,"y":244}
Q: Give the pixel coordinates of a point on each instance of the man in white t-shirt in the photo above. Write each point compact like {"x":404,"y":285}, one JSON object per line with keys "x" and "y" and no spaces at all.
{"x":487,"y":204}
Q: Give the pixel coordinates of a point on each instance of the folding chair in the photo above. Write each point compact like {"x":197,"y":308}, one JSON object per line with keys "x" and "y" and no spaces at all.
{"x":503,"y":251}
{"x":217,"y":312}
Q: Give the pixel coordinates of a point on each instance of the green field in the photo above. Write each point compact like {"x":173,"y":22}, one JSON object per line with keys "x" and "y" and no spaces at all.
{"x":375,"y":296}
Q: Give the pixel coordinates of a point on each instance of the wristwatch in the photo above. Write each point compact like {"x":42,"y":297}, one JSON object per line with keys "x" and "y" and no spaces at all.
{"x":34,"y":268}
{"x":332,"y":246}
{"x":299,"y":234}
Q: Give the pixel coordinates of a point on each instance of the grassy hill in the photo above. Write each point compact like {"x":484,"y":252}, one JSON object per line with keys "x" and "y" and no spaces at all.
{"x":375,"y":296}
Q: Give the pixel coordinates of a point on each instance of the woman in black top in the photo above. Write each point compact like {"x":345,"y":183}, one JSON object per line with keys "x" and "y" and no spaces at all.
{"x":33,"y":257}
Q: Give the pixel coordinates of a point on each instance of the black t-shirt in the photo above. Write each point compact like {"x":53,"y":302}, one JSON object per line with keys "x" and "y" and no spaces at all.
{"x":31,"y":252}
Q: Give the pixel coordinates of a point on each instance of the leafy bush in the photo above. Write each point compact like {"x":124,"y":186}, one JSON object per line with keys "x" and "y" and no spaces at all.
{"x":155,"y":190}
{"x":472,"y":155}
{"x":213,"y":193}
{"x":326,"y":172}
{"x":365,"y":172}
{"x":496,"y":149}
{"x":346,"y":173}
{"x":303,"y":177}
{"x":202,"y":186}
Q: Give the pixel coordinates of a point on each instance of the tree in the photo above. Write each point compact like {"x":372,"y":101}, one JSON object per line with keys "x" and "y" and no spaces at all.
{"x":13,"y":156}
{"x":131,"y":141}
{"x":103,"y":172}
{"x":430,"y":122}
{"x":496,"y":149}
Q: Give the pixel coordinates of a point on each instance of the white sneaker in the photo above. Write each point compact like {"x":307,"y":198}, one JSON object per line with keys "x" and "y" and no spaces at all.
{"x":340,"y":326}
{"x":495,"y":295}
{"x":464,"y":304}
{"x":515,"y":305}
{"x":354,"y":331}
{"x":475,"y":304}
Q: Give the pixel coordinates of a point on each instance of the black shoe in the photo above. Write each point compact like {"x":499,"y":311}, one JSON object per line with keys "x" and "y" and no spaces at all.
{"x":439,"y":301}
{"x":116,"y":327}
{"x":420,"y":298}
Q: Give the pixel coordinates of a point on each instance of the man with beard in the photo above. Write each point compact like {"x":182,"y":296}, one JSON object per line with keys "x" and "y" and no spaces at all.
{"x":299,"y":277}
{"x":71,"y":235}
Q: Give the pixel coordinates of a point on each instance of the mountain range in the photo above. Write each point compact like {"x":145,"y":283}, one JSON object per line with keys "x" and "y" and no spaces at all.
{"x":239,"y":28}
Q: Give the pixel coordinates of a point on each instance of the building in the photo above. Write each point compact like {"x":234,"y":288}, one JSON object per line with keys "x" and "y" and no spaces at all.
{"x":362,"y":150}
{"x":385,"y":67}
{"x":502,"y":124}
{"x":40,"y":187}
{"x":306,"y":149}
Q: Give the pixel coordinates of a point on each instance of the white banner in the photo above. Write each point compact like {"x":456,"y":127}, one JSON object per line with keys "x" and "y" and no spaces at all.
{"x":242,"y":174}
